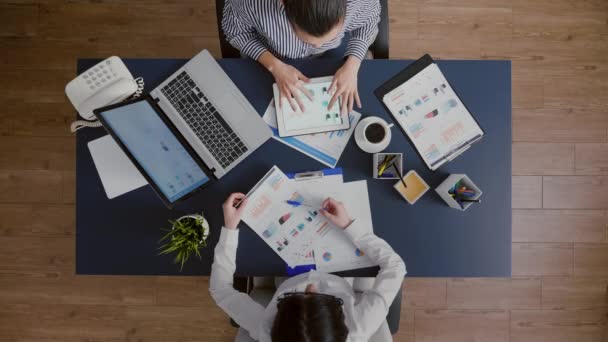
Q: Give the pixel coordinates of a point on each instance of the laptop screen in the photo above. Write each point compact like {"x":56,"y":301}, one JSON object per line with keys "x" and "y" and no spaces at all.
{"x":156,"y":148}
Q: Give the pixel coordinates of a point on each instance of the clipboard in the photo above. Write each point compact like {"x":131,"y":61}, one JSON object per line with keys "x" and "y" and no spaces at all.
{"x":304,"y":178}
{"x":400,"y":79}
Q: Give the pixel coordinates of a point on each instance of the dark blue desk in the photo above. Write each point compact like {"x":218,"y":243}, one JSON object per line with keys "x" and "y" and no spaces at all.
{"x":120,"y":236}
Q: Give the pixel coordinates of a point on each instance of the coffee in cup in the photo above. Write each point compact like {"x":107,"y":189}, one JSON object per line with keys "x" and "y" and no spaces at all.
{"x":375,"y":133}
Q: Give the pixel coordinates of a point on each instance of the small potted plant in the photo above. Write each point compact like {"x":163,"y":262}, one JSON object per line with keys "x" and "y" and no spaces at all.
{"x":187,"y":235}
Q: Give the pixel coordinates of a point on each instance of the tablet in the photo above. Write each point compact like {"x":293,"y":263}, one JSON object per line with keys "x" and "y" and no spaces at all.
{"x":154,"y":147}
{"x":316,"y":118}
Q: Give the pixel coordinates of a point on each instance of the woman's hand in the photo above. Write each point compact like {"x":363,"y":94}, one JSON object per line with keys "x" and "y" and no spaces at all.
{"x":336,"y":213}
{"x":291,"y":83}
{"x":345,"y":86}
{"x":289,"y":80}
{"x":232,"y":215}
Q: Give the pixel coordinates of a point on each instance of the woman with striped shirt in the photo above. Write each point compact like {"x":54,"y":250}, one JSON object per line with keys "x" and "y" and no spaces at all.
{"x":268,"y":30}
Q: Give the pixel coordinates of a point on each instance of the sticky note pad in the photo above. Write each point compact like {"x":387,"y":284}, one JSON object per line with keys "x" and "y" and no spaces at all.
{"x":416,"y":187}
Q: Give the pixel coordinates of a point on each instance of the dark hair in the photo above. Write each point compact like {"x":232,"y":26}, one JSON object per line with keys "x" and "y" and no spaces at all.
{"x":316,"y":17}
{"x":308,"y":318}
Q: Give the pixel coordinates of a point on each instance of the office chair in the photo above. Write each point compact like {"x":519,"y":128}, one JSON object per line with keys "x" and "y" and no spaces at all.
{"x":379,"y":47}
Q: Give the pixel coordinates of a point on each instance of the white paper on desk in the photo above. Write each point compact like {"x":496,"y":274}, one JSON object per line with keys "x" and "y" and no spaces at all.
{"x":286,"y":229}
{"x":118,"y":174}
{"x":335,"y":252}
{"x":316,"y":185}
{"x":324,"y":147}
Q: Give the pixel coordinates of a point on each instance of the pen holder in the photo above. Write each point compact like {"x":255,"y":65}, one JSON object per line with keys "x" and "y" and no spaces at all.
{"x":390,"y":172}
{"x":444,"y":190}
{"x":414,"y":189}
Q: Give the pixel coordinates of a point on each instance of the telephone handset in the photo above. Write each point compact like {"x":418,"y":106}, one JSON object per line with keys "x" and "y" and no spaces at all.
{"x":106,"y":83}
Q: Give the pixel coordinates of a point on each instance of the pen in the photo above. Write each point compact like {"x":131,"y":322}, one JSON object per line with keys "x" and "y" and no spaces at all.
{"x":298,"y":203}
{"x":382,"y":167}
{"x":400,"y":174}
{"x":470,"y":200}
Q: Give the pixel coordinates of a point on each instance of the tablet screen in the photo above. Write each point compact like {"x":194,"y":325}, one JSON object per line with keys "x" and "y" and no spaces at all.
{"x":156,"y":149}
{"x":315,"y":114}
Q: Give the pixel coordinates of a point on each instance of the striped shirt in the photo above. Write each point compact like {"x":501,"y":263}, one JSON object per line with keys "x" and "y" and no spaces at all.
{"x":255,"y":26}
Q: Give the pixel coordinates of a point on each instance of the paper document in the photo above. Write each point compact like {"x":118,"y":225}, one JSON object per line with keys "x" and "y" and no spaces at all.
{"x":324,"y":147}
{"x":432,"y":115}
{"x":334,"y":251}
{"x":118,"y":174}
{"x":288,"y":230}
{"x":330,"y":180}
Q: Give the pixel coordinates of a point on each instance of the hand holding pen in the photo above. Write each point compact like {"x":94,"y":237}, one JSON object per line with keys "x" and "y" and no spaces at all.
{"x":333,"y":210}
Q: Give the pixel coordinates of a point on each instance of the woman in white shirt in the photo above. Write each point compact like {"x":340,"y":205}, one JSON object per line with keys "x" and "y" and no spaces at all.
{"x":314,"y":306}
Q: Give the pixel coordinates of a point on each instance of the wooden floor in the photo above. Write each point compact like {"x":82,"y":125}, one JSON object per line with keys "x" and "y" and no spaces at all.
{"x":559,"y":51}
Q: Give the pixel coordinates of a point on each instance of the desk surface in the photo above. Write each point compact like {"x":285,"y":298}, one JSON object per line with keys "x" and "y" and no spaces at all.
{"x":120,"y":236}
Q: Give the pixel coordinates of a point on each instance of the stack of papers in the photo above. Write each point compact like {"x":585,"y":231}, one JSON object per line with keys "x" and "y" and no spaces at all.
{"x":301,"y":235}
{"x":324,"y":147}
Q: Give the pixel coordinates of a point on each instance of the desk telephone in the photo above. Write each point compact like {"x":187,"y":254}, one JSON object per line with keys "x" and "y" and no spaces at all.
{"x":106,"y":83}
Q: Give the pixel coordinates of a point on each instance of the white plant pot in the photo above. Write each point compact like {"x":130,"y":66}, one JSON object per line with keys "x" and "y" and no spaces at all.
{"x":205,"y":225}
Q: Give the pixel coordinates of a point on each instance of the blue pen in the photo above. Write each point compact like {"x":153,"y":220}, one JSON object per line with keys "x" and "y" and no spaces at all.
{"x":298,"y":203}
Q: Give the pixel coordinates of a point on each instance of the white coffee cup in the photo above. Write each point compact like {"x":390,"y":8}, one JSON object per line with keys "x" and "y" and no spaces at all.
{"x":373,"y":134}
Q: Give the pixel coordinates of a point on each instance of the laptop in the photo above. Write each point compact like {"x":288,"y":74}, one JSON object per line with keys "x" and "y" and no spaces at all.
{"x":193,"y":127}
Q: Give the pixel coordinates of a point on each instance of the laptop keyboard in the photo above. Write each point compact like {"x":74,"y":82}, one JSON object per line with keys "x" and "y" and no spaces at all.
{"x":204,"y":119}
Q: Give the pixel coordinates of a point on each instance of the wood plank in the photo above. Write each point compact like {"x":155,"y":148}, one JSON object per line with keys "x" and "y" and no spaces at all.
{"x":574,"y":292}
{"x":193,"y":291}
{"x":590,"y":259}
{"x":493,"y":293}
{"x":570,"y":55}
{"x":169,"y":322}
{"x":173,"y":19}
{"x":37,"y":256}
{"x":560,"y":125}
{"x":461,"y":325}
{"x":424,"y":293}
{"x":172,"y":47}
{"x":44,"y":321}
{"x":557,"y":325}
{"x":403,"y":18}
{"x":54,"y":288}
{"x":591,"y":159}
{"x":30,"y":186}
{"x":528,"y":90}
{"x":541,"y":259}
{"x":527,"y":192}
{"x":34,"y":86}
{"x":60,"y":53}
{"x":93,"y":20}
{"x":38,"y":119}
{"x":464,"y":23}
{"x":575,"y":192}
{"x":33,"y":153}
{"x":18,"y":20}
{"x":68,"y":187}
{"x":559,"y":225}
{"x":37,"y":220}
{"x":542,"y":158}
{"x":406,"y":325}
{"x":589,"y":91}
{"x":553,"y":19}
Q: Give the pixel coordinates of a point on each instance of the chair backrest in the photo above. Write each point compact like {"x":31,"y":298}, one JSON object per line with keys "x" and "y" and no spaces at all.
{"x":379,"y":46}
{"x":228,"y":51}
